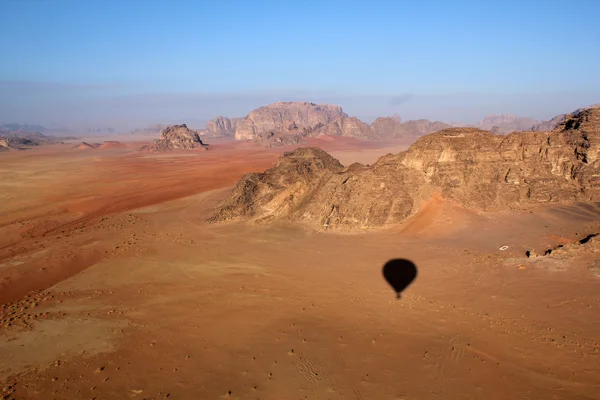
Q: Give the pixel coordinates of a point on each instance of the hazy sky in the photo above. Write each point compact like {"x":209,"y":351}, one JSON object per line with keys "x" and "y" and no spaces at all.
{"x":132,"y":63}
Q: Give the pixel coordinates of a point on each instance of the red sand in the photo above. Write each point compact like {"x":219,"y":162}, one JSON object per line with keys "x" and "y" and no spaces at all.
{"x":145,"y":300}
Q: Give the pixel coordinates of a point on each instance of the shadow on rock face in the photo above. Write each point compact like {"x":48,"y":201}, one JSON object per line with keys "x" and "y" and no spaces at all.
{"x":399,"y":273}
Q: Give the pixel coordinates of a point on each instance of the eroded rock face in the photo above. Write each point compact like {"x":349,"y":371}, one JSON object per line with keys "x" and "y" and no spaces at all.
{"x":470,"y":166}
{"x":176,"y":137}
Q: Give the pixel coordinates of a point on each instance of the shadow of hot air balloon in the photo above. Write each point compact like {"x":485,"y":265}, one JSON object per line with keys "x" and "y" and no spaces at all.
{"x":399,"y":273}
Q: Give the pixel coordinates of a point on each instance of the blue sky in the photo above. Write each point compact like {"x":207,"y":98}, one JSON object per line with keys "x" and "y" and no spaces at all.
{"x":137,"y":62}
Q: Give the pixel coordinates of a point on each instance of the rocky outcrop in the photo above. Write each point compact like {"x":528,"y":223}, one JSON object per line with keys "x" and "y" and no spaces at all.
{"x":505,"y":123}
{"x":176,"y":137}
{"x":465,"y":165}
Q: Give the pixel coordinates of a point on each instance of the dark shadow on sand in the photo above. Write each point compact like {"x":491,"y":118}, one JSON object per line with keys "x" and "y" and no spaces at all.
{"x":399,"y":273}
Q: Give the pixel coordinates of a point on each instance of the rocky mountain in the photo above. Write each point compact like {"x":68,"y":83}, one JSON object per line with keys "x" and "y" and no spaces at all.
{"x":554,"y":122}
{"x":299,"y":119}
{"x":549,"y":125}
{"x":176,"y":137}
{"x":469,"y":166}
{"x":505,"y":123}
{"x":394,"y":128}
{"x":221,"y":127}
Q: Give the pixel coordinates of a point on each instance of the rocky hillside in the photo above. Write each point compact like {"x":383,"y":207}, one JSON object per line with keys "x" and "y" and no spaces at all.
{"x":506,"y":123}
{"x":466,"y":165}
{"x":176,"y":137}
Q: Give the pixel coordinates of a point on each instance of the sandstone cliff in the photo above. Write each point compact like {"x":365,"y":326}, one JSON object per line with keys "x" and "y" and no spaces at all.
{"x":176,"y":137}
{"x":470,"y":166}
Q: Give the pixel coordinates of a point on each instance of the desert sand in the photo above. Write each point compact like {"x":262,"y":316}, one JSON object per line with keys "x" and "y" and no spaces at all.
{"x":113,"y":286}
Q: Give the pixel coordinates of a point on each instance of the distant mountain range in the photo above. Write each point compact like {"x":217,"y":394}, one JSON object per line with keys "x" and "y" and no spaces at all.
{"x":288,"y":122}
{"x":505,"y":123}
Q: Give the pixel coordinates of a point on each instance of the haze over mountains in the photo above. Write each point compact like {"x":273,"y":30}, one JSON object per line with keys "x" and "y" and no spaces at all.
{"x":285,"y":122}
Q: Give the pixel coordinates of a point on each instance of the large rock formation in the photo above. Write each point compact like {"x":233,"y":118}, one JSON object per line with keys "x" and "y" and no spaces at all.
{"x":296,"y":118}
{"x":176,"y":137}
{"x":505,"y":123}
{"x":470,"y":166}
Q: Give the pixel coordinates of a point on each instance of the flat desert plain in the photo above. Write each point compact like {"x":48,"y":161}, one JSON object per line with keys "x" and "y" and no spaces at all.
{"x":113,"y":286}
